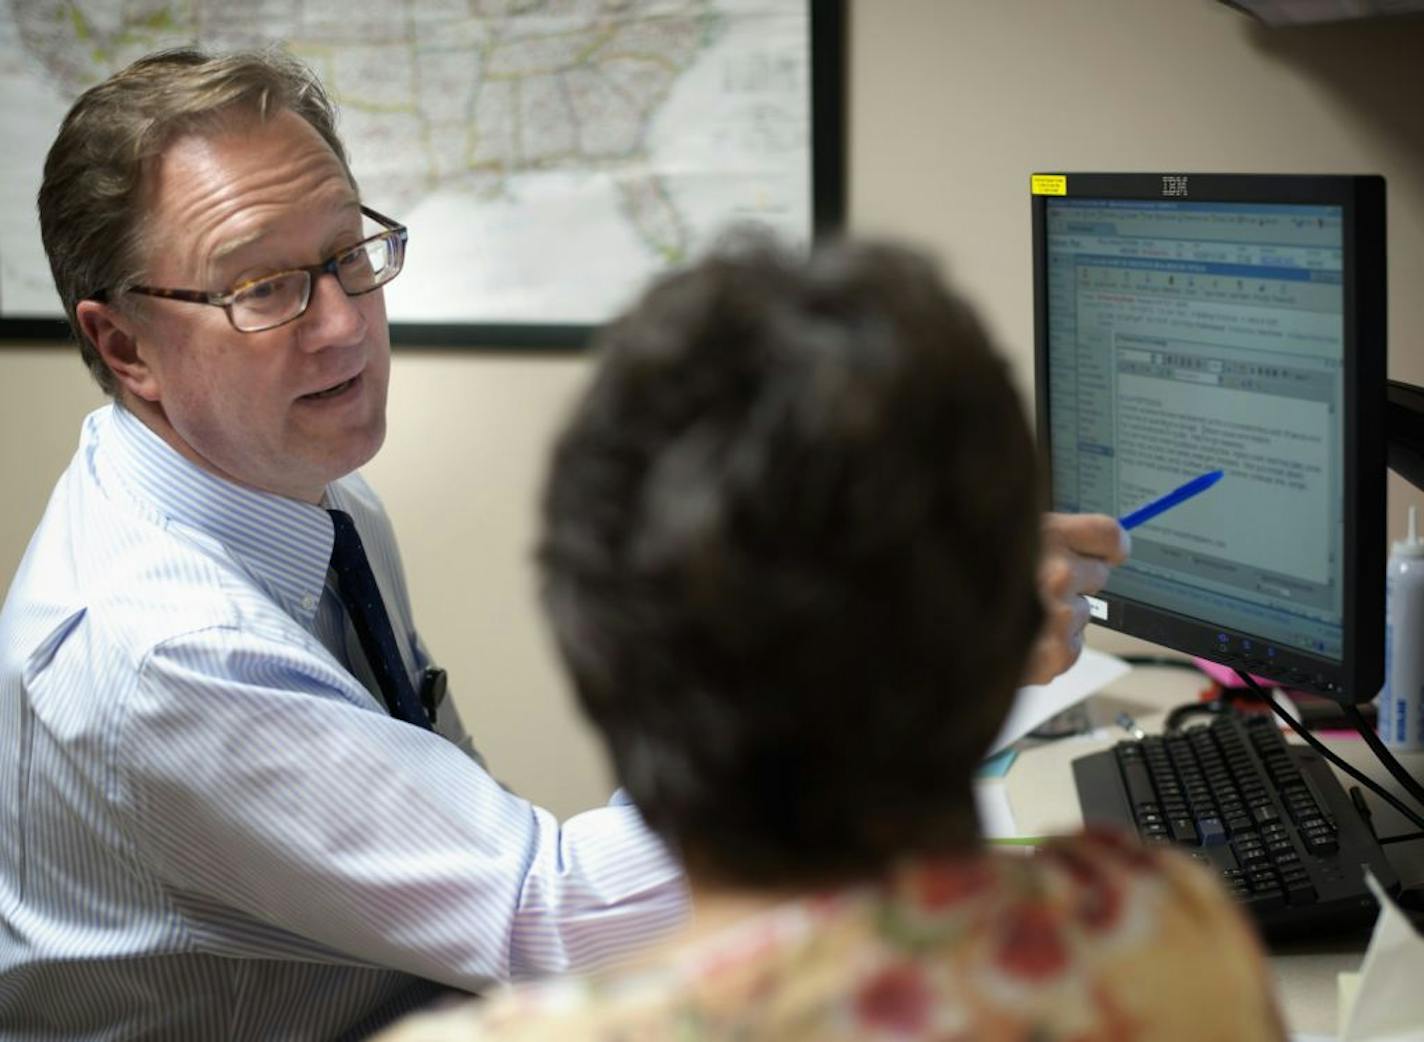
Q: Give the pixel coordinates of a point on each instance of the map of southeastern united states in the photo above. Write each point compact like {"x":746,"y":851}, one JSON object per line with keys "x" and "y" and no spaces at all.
{"x":433,"y":97}
{"x":549,"y":156}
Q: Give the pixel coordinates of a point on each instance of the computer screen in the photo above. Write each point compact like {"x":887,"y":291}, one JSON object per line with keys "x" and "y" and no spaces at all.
{"x":1188,"y":323}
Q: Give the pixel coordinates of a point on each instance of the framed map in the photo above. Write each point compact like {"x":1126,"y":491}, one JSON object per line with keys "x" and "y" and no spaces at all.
{"x":549,"y":156}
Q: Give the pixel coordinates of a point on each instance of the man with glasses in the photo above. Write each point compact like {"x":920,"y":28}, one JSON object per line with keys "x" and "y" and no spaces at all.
{"x":233,"y":802}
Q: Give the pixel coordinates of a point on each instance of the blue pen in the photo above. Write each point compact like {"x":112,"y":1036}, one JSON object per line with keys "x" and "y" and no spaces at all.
{"x":1178,"y":495}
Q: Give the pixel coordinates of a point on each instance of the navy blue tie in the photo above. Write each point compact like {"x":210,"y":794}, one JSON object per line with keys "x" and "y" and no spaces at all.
{"x":362,"y":598}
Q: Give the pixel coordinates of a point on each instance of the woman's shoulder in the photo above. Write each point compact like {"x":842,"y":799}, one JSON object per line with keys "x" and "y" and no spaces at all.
{"x":1093,"y":929}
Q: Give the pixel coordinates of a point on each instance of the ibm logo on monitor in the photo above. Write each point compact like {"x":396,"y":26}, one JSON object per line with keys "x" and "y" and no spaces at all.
{"x":1174,"y":184}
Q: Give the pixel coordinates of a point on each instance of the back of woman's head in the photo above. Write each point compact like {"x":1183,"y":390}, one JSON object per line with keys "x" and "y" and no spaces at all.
{"x":790,"y":537}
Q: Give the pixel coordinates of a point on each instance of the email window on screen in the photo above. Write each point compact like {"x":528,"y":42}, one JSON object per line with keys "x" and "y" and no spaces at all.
{"x":1186,"y":337}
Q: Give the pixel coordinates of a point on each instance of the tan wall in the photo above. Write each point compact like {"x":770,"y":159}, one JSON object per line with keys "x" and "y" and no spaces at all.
{"x":955,"y":102}
{"x":952,"y":104}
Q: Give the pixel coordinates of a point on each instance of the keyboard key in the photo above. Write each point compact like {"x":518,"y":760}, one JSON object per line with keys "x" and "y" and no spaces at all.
{"x":1265,"y":813}
{"x":1265,"y":900}
{"x":1184,"y":830}
{"x":1262,"y":876}
{"x":1250,"y":854}
{"x":1212,"y":832}
{"x":1139,"y":785}
{"x":1322,"y":844}
{"x":1300,"y":892}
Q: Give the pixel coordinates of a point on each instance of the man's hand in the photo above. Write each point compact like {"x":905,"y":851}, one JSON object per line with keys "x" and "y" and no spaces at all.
{"x":1078,"y":551}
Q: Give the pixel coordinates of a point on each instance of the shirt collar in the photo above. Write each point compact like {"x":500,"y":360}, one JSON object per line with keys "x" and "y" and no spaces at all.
{"x":284,"y":544}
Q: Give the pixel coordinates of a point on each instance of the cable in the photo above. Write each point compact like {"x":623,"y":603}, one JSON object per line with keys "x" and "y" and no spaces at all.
{"x":1408,"y":837}
{"x":1383,"y":754}
{"x":1314,"y":743}
{"x":1362,"y":808}
{"x":1163,"y":660}
{"x":1180,"y":713}
{"x":1329,"y":755}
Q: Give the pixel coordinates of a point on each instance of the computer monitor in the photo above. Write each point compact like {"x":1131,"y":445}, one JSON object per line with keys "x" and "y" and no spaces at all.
{"x":1193,"y":322}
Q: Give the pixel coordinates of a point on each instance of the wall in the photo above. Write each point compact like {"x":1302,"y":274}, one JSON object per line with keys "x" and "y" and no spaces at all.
{"x":952,"y":104}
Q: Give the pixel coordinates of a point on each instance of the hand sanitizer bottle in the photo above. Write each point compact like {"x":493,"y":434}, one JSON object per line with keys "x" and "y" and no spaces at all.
{"x":1401,"y":702}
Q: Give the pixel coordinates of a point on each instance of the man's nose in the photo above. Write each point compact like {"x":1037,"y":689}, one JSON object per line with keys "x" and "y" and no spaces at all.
{"x":332,"y":316}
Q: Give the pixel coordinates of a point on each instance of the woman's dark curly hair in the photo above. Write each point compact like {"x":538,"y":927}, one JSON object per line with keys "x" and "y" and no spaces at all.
{"x":789,"y":544}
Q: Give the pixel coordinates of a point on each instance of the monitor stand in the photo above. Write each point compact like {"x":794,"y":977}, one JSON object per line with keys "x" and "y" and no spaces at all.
{"x":1404,"y":431}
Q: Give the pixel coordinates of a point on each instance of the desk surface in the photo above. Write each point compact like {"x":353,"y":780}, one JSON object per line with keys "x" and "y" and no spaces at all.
{"x":1042,"y":804}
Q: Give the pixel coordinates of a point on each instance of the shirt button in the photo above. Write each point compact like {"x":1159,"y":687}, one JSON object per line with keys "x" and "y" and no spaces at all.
{"x":308,"y":602}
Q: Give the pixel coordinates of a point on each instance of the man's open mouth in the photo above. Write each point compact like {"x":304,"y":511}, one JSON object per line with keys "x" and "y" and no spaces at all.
{"x":332,"y":392}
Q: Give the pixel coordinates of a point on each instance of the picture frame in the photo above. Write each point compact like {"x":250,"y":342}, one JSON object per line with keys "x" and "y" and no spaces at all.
{"x":820,"y":77}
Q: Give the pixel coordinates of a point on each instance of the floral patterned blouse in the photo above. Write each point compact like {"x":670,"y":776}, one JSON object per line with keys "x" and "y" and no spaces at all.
{"x":1090,"y":938}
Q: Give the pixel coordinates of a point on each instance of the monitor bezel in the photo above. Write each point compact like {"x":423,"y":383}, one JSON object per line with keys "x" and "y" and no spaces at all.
{"x":1358,"y":675}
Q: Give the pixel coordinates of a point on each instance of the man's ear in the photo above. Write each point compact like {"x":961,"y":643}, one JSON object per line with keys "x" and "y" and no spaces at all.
{"x":115,"y":336}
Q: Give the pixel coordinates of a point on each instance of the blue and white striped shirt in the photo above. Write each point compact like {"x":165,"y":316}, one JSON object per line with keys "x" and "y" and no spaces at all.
{"x":209,"y":825}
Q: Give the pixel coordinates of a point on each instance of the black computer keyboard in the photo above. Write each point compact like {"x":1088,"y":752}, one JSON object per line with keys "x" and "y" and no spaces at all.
{"x":1272,"y":818}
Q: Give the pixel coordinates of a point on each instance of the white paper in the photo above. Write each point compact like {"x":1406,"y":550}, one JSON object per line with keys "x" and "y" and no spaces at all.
{"x":1036,"y":703}
{"x":996,"y":817}
{"x":1388,"y":1004}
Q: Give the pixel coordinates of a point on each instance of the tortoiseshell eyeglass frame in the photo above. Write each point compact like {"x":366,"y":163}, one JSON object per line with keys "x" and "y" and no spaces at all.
{"x":396,"y":233}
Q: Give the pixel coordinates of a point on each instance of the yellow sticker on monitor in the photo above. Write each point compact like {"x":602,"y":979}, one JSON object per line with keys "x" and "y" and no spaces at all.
{"x":1049,"y":184}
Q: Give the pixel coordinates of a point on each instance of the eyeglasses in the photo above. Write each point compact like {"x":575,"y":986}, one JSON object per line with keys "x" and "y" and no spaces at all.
{"x":279,"y":298}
